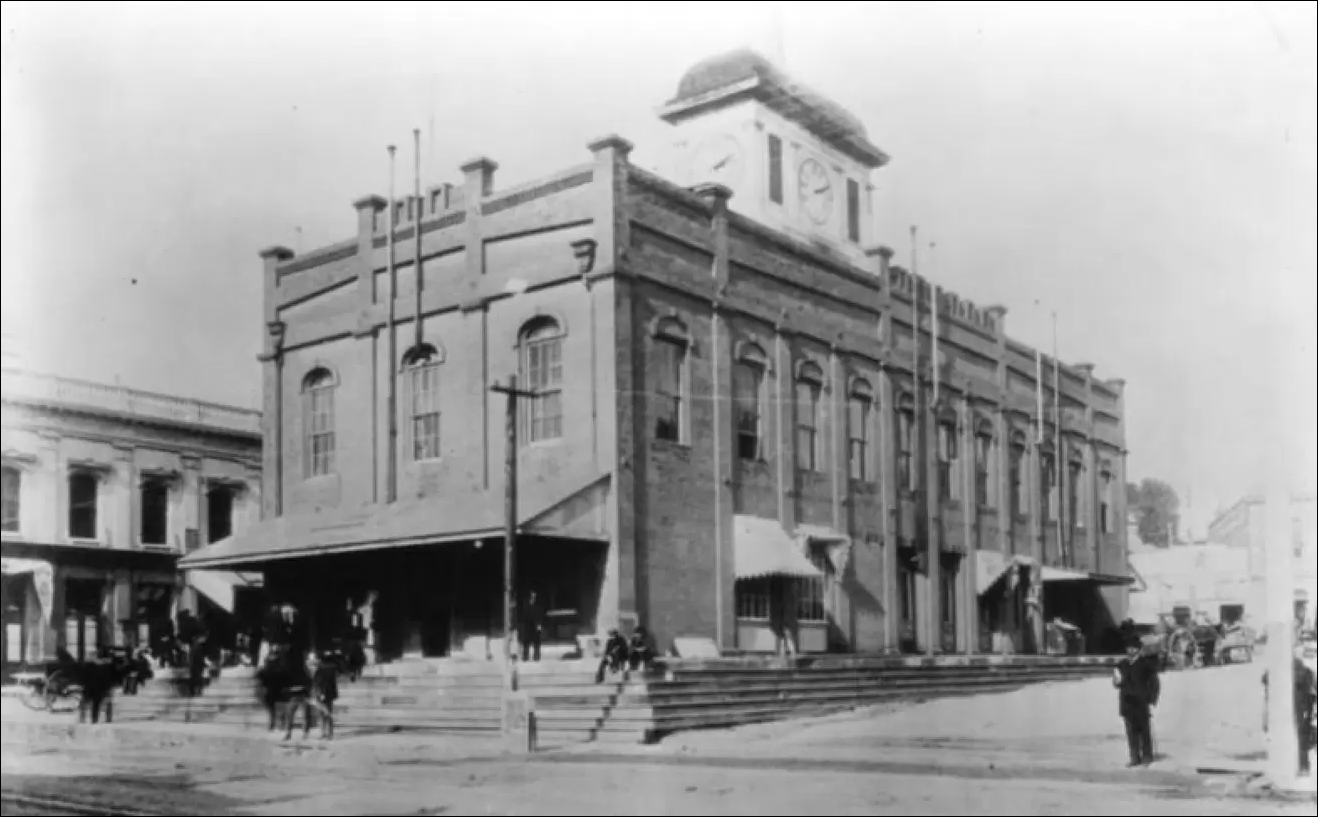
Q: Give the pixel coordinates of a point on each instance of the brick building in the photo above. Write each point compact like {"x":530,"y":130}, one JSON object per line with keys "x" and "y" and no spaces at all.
{"x":104,"y":489}
{"x":728,"y":441}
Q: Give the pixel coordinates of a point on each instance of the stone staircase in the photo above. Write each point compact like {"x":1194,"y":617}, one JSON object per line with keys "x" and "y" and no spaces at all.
{"x":457,"y":697}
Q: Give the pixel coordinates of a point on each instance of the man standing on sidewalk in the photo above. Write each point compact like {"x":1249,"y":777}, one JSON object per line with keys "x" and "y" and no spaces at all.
{"x":1137,"y":683}
{"x":1305,"y":696}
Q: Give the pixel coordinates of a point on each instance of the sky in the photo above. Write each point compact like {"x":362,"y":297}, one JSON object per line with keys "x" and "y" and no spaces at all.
{"x":1146,"y":171}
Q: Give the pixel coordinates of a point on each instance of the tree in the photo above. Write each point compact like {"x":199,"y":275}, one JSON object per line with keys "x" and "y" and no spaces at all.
{"x":1156,"y":508}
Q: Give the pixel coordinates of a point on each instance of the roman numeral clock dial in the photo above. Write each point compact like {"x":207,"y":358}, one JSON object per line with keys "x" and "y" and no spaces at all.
{"x":815,"y":189}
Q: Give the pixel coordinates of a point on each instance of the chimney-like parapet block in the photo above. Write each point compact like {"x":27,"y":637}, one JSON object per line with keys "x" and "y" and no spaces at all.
{"x":614,"y":143}
{"x":368,"y":213}
{"x":713,"y":193}
{"x":478,"y":174}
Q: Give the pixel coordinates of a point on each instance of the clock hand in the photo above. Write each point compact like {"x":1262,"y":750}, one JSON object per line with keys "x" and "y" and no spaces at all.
{"x":821,"y":189}
{"x":722,"y":162}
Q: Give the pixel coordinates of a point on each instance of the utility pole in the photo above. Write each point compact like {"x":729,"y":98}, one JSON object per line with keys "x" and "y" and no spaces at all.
{"x":510,"y":521}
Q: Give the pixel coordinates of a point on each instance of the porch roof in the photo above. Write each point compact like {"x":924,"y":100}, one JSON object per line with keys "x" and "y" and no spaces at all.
{"x":1057,"y":574}
{"x":548,"y":510}
{"x":992,"y":565}
{"x":762,"y":548}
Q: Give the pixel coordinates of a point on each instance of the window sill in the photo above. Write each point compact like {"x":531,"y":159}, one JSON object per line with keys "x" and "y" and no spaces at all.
{"x":77,"y":540}
{"x":672,"y":445}
{"x":987,"y":510}
{"x":867,"y":484}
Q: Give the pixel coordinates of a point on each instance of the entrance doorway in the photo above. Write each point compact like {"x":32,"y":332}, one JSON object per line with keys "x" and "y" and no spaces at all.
{"x":82,"y":617}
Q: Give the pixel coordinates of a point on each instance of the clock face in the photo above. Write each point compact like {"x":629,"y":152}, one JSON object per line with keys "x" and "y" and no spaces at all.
{"x":717,"y":159}
{"x":815,"y":190}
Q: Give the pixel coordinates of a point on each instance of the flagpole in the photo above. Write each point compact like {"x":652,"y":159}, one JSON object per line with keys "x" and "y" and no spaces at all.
{"x":1063,"y":465}
{"x":391,"y":482}
{"x":925,"y":447}
{"x":416,"y":239}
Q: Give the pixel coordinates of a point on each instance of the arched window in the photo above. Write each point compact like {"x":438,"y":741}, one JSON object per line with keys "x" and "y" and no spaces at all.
{"x":1048,"y":482}
{"x":422,"y":366}
{"x":1016,"y":474}
{"x":984,"y":464}
{"x":13,"y":496}
{"x":948,"y":453}
{"x":541,"y":345}
{"x":1105,"y":499}
{"x":748,"y":374}
{"x":318,"y":402}
{"x":860,"y":412}
{"x":809,"y":386}
{"x":672,"y":345}
{"x":907,"y":474}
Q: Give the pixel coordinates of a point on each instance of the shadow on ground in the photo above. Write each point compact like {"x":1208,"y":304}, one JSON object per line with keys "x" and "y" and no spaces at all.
{"x":168,"y":793}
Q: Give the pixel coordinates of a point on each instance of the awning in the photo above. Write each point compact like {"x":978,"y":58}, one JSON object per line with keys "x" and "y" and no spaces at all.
{"x":220,"y":586}
{"x":991,"y":566}
{"x":43,"y":580}
{"x":835,"y":543}
{"x":453,"y":517}
{"x":762,"y":548}
{"x":1057,"y":574}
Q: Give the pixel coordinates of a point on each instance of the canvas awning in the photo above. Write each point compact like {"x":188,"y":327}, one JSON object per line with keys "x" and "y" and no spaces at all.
{"x":220,"y":586}
{"x":43,"y":580}
{"x":455,"y":517}
{"x":762,"y":548}
{"x":1057,"y":574}
{"x":992,"y":566}
{"x":835,"y":543}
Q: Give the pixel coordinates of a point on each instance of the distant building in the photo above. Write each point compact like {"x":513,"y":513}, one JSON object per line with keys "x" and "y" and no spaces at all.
{"x":1241,"y":526}
{"x":104,"y":489}
{"x":1192,"y":581}
{"x":728,"y":439}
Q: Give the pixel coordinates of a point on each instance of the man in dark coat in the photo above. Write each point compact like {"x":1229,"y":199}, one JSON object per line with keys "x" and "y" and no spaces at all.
{"x":533,"y":622}
{"x":1138,"y":686}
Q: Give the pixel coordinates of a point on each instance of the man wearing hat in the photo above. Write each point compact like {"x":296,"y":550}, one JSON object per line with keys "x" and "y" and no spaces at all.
{"x":1138,"y":687}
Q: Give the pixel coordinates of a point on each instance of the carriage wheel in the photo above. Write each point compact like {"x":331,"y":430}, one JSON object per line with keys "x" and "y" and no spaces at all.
{"x":59,"y":688}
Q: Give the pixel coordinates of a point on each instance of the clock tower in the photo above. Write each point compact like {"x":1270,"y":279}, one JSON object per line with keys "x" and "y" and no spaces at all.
{"x":794,"y":159}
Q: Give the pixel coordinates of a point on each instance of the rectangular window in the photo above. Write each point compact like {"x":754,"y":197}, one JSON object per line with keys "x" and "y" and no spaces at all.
{"x":858,"y":429}
{"x":155,"y":512}
{"x":219,"y":513}
{"x":853,"y":211}
{"x":83,"y":490}
{"x":906,"y":474}
{"x":747,"y":385}
{"x":906,"y":590}
{"x":425,"y":412}
{"x":670,"y":379}
{"x":544,"y":374}
{"x":13,"y":490}
{"x":807,"y":426}
{"x":775,"y":169}
{"x":754,"y":597}
{"x":947,"y":597}
{"x":810,"y":593}
{"x":320,"y":426}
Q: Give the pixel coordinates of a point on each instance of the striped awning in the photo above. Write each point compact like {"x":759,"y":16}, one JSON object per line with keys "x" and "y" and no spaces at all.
{"x":762,"y":548}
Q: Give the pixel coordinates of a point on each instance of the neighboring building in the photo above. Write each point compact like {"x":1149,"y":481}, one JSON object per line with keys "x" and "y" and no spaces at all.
{"x":1202,"y":579}
{"x":1241,"y":527}
{"x":104,"y":489}
{"x":727,"y":439}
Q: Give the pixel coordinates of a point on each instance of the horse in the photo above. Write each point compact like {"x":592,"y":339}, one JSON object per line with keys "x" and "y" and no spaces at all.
{"x":287,"y":687}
